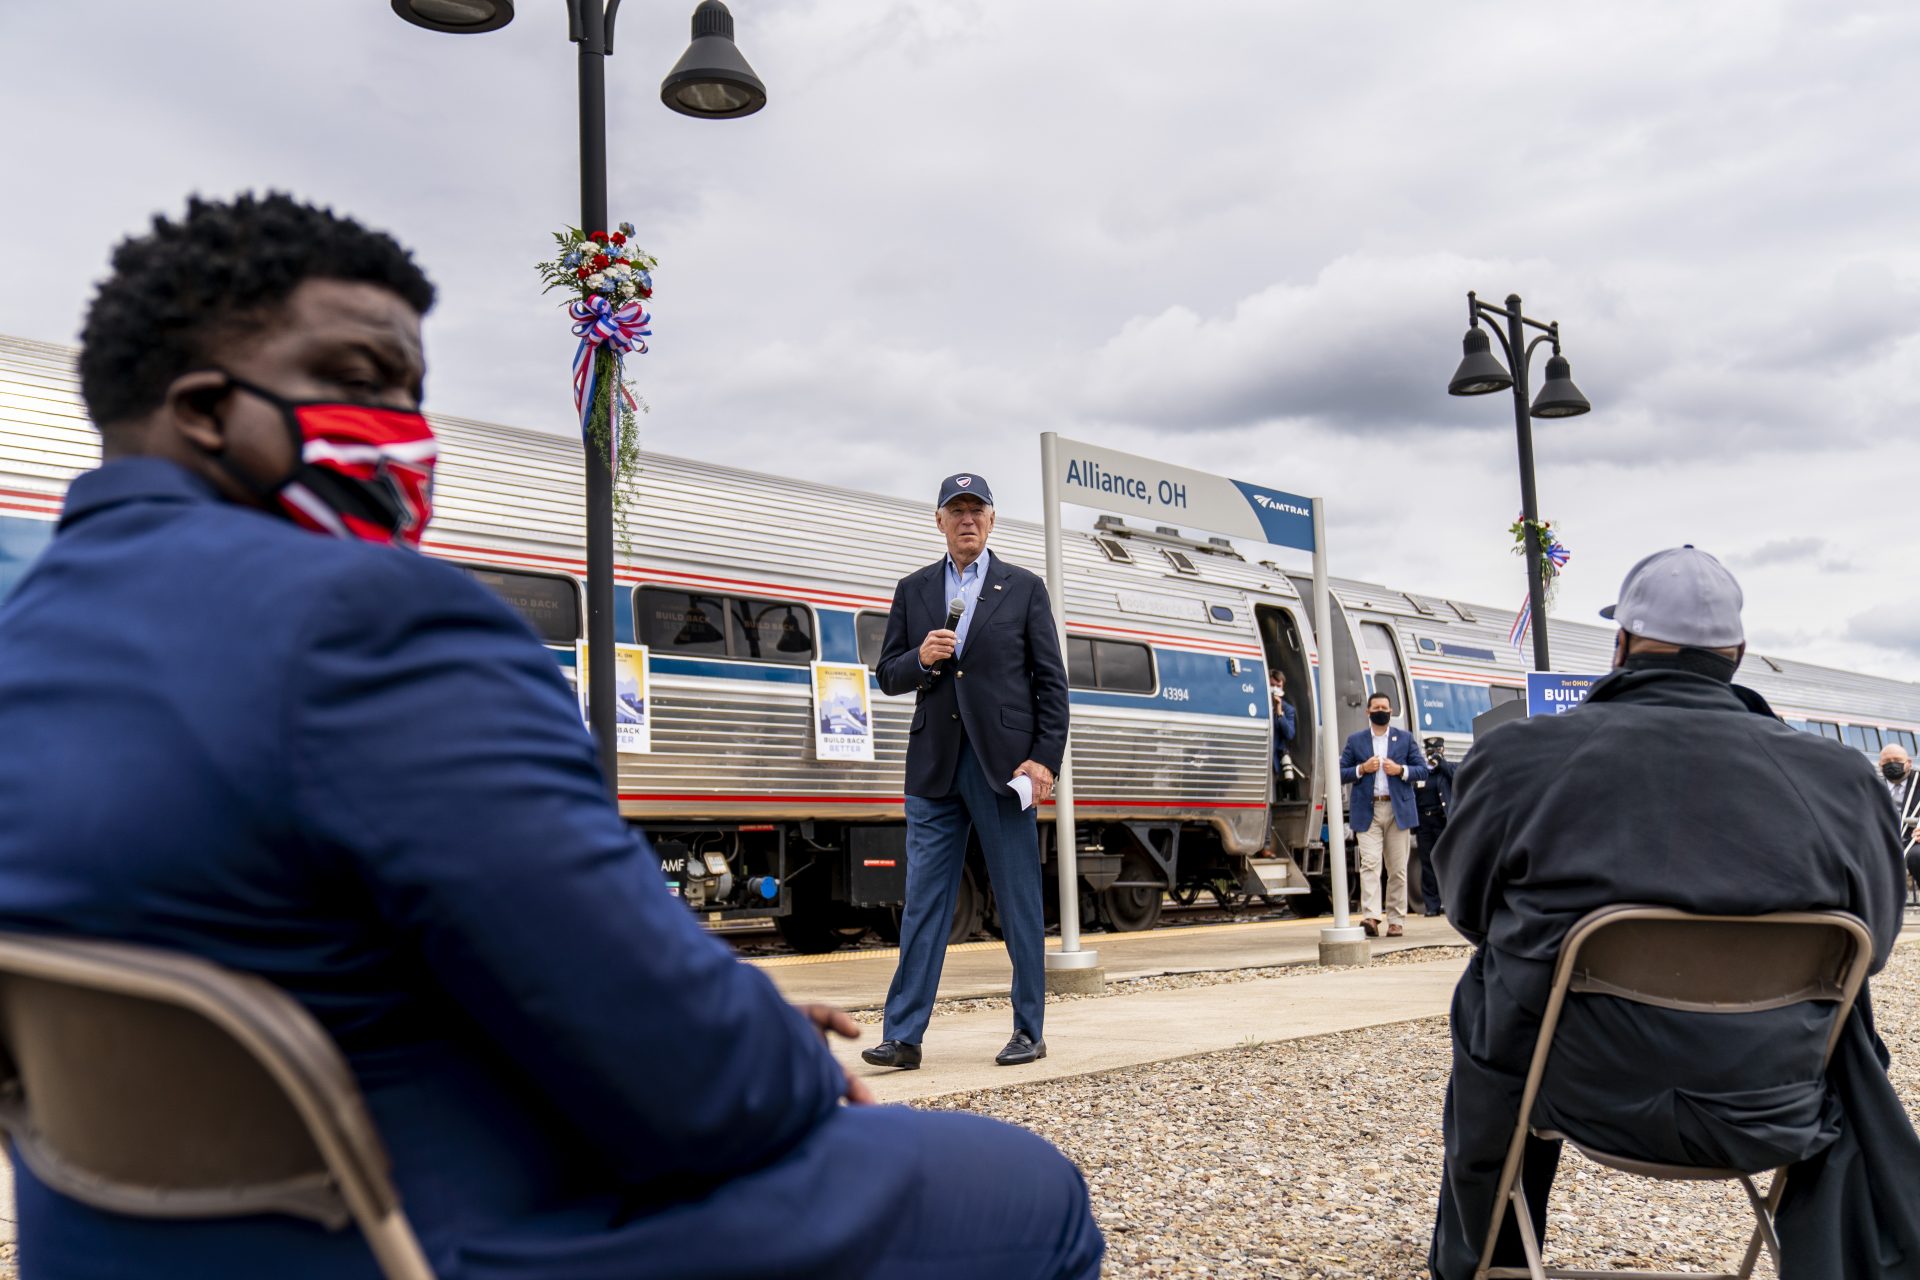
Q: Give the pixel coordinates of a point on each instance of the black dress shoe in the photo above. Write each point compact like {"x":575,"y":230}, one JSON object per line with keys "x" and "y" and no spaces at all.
{"x":893,"y":1053}
{"x":1021,"y":1050}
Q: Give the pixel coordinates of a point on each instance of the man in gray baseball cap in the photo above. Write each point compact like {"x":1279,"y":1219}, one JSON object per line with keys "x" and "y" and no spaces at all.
{"x":1674,"y":786}
{"x":1683,"y":597}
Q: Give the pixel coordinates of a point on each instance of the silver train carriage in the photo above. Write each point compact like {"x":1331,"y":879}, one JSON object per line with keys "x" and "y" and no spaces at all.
{"x":737,"y":581}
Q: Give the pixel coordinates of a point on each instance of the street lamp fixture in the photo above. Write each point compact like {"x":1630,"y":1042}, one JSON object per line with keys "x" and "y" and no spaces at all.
{"x":460,"y":17}
{"x":711,"y":79}
{"x":1481,"y":373}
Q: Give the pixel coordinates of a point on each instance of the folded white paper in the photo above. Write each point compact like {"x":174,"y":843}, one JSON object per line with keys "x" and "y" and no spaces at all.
{"x":1023,"y":787}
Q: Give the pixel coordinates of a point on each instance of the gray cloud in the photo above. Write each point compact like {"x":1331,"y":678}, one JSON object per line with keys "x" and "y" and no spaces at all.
{"x":1235,"y":236}
{"x":1894,"y":627}
{"x":1779,"y":551}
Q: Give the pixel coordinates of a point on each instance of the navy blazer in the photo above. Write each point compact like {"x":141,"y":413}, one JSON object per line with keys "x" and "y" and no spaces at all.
{"x":1402,"y":748}
{"x":1007,"y":689}
{"x":350,"y":769}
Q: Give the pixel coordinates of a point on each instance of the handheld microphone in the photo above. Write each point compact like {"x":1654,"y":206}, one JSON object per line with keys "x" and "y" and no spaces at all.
{"x":956,"y":610}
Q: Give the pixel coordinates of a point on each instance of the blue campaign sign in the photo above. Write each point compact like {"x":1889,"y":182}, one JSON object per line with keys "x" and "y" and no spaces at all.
{"x":1552,"y":693}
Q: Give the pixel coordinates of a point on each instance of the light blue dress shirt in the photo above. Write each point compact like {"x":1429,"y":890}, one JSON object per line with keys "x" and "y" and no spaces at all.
{"x":966,"y":584}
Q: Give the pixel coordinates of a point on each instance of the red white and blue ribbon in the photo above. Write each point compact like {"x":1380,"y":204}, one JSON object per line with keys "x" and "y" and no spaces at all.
{"x":1558,"y":556}
{"x":622,"y":330}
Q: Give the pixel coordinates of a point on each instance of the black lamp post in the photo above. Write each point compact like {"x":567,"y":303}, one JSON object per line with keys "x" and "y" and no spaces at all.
{"x":711,"y":80}
{"x":1481,"y":373}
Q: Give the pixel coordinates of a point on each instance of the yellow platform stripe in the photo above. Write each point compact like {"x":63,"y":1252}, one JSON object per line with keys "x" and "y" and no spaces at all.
{"x":1104,"y":941}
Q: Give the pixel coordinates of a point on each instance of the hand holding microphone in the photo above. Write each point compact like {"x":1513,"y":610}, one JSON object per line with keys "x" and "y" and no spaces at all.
{"x":939,"y":645}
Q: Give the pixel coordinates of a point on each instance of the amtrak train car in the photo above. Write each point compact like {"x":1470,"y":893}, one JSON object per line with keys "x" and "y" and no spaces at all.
{"x":737,"y":581}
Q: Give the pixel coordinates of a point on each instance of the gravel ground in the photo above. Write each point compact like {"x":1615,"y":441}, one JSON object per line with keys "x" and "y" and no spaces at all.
{"x":1226,"y":1165}
{"x":1178,"y":981}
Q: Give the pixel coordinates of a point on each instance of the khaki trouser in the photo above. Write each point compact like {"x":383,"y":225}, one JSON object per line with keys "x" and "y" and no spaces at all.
{"x":1384,"y":831}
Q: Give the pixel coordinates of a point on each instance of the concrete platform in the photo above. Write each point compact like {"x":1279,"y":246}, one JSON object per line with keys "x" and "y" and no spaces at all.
{"x":858,"y":979}
{"x":1085,"y":1036}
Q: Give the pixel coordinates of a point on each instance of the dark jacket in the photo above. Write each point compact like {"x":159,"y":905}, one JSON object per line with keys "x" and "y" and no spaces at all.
{"x":1666,"y":787}
{"x":1434,"y":796}
{"x":1284,"y":727}
{"x":1007,"y":690}
{"x":1404,"y":749}
{"x":351,"y":770}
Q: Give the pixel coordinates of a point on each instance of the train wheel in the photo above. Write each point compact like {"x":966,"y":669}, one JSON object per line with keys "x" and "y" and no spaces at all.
{"x":814,"y":934}
{"x":1314,"y":902}
{"x":969,"y":909}
{"x":1131,"y":909}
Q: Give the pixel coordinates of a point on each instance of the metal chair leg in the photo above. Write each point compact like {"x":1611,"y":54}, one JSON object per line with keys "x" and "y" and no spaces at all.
{"x":1529,"y":1243}
{"x":1763,"y":1229}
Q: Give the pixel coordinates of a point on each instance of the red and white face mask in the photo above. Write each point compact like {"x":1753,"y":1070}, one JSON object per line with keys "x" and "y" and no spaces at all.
{"x":364,"y":471}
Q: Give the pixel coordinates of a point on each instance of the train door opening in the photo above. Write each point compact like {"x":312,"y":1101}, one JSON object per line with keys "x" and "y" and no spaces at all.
{"x":1286,"y":652}
{"x":1350,"y":687}
{"x":1389,"y":669}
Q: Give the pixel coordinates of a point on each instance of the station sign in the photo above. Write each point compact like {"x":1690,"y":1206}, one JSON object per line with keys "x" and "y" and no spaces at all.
{"x":1125,"y":483}
{"x":1553,"y":693}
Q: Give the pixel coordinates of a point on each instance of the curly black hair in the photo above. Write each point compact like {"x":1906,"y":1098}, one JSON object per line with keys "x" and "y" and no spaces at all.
{"x":222,"y":269}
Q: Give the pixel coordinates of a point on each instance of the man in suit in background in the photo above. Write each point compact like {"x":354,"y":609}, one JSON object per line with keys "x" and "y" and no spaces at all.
{"x":1901,"y":782}
{"x":990,"y":710}
{"x":351,"y":770}
{"x":1383,"y":763}
{"x":1431,"y":798}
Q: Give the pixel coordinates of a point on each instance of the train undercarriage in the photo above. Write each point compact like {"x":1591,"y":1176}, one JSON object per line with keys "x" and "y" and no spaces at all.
{"x":825,"y":884}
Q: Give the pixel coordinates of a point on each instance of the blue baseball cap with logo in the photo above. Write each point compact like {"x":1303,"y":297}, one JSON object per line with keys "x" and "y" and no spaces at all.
{"x":1682,"y":596}
{"x":965,"y":484}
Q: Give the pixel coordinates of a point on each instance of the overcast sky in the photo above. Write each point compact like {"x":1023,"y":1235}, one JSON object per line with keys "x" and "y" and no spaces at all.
{"x":1236,"y":236}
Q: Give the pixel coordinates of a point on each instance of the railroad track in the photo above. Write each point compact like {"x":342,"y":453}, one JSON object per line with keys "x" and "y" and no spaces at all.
{"x":755,"y":938}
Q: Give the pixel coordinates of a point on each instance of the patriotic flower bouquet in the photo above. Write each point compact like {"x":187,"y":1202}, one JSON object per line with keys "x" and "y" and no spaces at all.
{"x":1553,"y":556}
{"x":1553,"y":559}
{"x":608,"y":280}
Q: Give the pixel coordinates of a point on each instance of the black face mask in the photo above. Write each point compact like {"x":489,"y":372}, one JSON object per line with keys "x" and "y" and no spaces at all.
{"x":1380,"y":717}
{"x":1893,"y":770}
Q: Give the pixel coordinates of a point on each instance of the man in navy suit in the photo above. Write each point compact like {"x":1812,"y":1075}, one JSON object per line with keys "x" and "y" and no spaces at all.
{"x":990,"y":715}
{"x":1383,"y":763}
{"x":348,"y":768}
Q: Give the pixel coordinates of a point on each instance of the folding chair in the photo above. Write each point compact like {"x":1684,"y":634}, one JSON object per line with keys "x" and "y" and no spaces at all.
{"x":1702,"y":964}
{"x":149,"y":1083}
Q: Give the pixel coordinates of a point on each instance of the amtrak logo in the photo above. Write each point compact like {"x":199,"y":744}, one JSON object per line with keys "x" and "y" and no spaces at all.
{"x":1274,"y":504}
{"x":965,"y":482}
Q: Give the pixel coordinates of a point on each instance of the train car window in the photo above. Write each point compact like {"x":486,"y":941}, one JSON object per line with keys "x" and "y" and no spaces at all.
{"x":1827,"y":729}
{"x":1389,"y":685}
{"x":870,"y":632}
{"x":683,"y":623}
{"x":1904,"y":737}
{"x":550,"y":605}
{"x":770,"y":631}
{"x":1123,"y":667}
{"x":1799,"y":726}
{"x":1502,"y":693}
{"x":1872,"y":735}
{"x":1854,"y":736}
{"x":1080,"y":663}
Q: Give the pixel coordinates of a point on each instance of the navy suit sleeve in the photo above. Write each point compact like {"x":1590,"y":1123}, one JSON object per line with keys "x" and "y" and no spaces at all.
{"x":1048,"y":680}
{"x":440,"y":757}
{"x":899,"y":667}
{"x":1287,"y":722}
{"x":1415,"y":762}
{"x":1349,"y":762}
